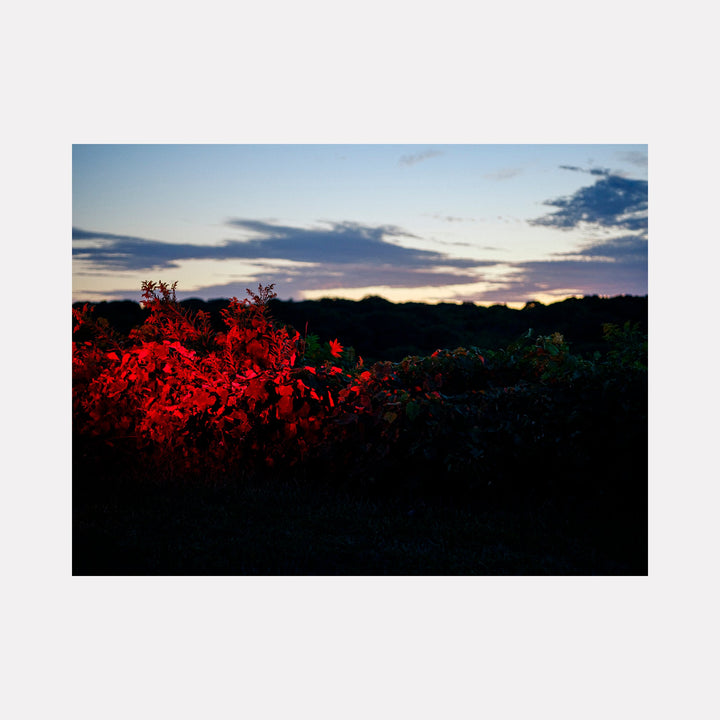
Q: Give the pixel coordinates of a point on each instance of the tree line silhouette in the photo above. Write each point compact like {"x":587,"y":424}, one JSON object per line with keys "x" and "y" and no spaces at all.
{"x":382,"y":330}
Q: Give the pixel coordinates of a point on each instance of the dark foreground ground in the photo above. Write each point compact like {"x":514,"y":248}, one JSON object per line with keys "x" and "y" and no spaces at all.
{"x":293,"y":530}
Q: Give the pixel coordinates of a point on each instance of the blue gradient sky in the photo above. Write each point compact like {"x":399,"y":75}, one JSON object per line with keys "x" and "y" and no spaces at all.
{"x":482,"y":223}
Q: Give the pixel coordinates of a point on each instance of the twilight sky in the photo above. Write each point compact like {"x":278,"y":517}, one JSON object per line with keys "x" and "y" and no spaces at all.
{"x":482,"y":223}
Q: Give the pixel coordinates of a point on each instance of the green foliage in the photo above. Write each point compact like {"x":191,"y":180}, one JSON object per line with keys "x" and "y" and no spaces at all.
{"x":326,"y":354}
{"x":313,"y":351}
{"x":629,"y":345}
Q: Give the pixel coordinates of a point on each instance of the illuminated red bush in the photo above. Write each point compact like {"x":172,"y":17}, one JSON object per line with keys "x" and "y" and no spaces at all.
{"x":193,"y":400}
{"x":176,"y":398}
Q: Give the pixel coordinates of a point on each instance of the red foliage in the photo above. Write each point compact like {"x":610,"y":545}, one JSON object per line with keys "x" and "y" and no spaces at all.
{"x":336,"y":348}
{"x":189,"y":400}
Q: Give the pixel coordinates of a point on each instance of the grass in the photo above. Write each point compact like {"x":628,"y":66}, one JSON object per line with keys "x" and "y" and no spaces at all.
{"x":290,"y":529}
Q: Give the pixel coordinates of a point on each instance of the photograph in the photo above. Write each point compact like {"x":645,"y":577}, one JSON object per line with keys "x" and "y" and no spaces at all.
{"x":360,"y":359}
{"x":357,"y":414}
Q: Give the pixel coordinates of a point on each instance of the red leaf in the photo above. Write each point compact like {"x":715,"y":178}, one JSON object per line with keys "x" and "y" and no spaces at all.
{"x":284,"y":407}
{"x":336,"y":349}
{"x":256,"y":390}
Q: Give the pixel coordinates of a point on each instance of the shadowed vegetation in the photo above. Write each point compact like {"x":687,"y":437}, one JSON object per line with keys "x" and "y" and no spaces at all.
{"x":255,"y":448}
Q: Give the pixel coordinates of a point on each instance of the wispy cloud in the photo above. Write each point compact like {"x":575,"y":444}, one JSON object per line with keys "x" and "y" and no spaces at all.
{"x":625,"y":249}
{"x":451,"y":218}
{"x":78,"y":234}
{"x":634,"y":157}
{"x":590,"y":171}
{"x":295,"y":282}
{"x":529,"y":280}
{"x":418,"y":157}
{"x":503,"y":174}
{"x":584,"y":278}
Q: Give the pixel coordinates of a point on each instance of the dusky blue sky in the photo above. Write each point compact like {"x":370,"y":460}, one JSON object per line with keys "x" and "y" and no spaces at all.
{"x":481,"y":223}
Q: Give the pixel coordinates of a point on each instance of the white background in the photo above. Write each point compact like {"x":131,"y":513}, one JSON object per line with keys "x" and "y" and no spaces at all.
{"x":374,"y":72}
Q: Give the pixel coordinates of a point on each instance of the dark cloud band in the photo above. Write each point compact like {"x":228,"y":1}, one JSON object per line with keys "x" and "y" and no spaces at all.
{"x":342,"y":245}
